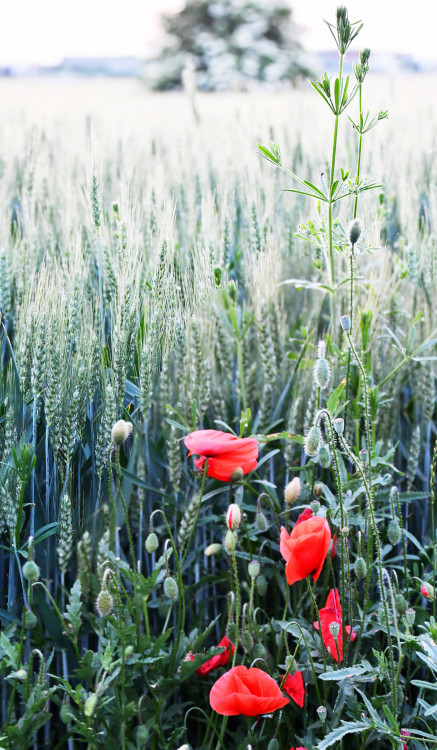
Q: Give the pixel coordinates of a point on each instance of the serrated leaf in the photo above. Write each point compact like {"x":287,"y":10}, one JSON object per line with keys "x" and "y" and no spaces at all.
{"x":342,"y":674}
{"x":347,"y":727}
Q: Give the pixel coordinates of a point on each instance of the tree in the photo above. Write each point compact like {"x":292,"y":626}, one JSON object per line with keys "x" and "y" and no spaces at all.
{"x":231,"y":44}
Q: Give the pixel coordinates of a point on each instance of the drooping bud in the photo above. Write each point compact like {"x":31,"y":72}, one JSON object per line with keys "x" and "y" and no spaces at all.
{"x":233,"y":517}
{"x":312,"y":441}
{"x":360,"y":568}
{"x":31,"y":571}
{"x":120,"y":432}
{"x":410,"y":616}
{"x":345,"y":323}
{"x":292,"y":491}
{"x":247,"y":640}
{"x":427,"y":591}
{"x":322,"y":373}
{"x":394,"y":532}
{"x":322,"y":711}
{"x":290,"y":665}
{"x":213,"y":549}
{"x":324,"y":456}
{"x":254,"y":569}
{"x":20,"y":675}
{"x":334,"y":628}
{"x":152,"y":542}
{"x":171,"y":588}
{"x":401,"y":604}
{"x":259,"y":651}
{"x":261,"y":585}
{"x":339,"y":425}
{"x":230,"y":541}
{"x":231,"y":631}
{"x":261,"y":522}
{"x":104,"y":603}
{"x":237,"y":474}
{"x":355,"y":230}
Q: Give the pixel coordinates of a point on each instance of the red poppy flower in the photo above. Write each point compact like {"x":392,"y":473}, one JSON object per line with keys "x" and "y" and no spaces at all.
{"x":298,"y":748}
{"x":295,"y":688}
{"x":304,"y":516}
{"x":333,"y":551}
{"x":405,"y":733}
{"x":220,"y":660}
{"x":250,"y":692}
{"x":304,"y":550}
{"x":332,"y":613}
{"x":224,"y":452}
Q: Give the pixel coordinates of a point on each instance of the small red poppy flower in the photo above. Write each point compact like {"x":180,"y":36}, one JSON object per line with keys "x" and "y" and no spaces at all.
{"x":329,"y":614}
{"x":298,"y":748}
{"x":333,"y":550}
{"x":405,"y":733}
{"x":295,"y":688}
{"x":225,"y":453}
{"x":304,"y":550}
{"x":246,"y":692}
{"x":220,"y":660}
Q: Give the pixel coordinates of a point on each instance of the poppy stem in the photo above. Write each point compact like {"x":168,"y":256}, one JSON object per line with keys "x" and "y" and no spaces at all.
{"x":237,"y":611}
{"x":318,"y":620}
{"x":199,"y":504}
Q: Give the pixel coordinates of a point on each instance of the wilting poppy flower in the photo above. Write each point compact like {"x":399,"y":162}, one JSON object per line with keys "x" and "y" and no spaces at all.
{"x":220,"y":660}
{"x":332,"y":613}
{"x":304,"y":516}
{"x":304,"y":550}
{"x":225,"y":452}
{"x":295,"y":688}
{"x":250,"y":692}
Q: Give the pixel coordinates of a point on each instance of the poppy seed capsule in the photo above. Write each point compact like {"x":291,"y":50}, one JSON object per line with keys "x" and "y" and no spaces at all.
{"x":322,"y":713}
{"x":315,"y":506}
{"x":171,"y":588}
{"x":261,"y":585}
{"x":121,"y":431}
{"x":410,"y":616}
{"x":152,"y":542}
{"x":322,"y":373}
{"x":394,"y":533}
{"x":104,"y":603}
{"x":339,"y":425}
{"x":355,"y":231}
{"x":360,"y":568}
{"x":324,"y":456}
{"x":233,"y":517}
{"x":292,"y":491}
{"x":334,"y":629}
{"x":273,"y":744}
{"x":254,"y":568}
{"x":312,"y":441}
{"x":345,"y":323}
{"x":401,"y":604}
{"x":31,"y":571}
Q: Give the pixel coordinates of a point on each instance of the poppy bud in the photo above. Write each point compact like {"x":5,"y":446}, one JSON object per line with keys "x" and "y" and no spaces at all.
{"x":355,"y":231}
{"x":312,"y":441}
{"x":290,"y":665}
{"x":247,"y":640}
{"x":401,"y":604}
{"x":231,"y":631}
{"x":321,"y":349}
{"x":394,"y":533}
{"x":233,"y":517}
{"x":21,"y":675}
{"x":364,"y":456}
{"x":322,"y":373}
{"x":90,"y":704}
{"x":142,"y":735}
{"x":292,"y":491}
{"x":318,"y":489}
{"x":259,"y":651}
{"x":360,"y":568}
{"x":315,"y":506}
{"x":152,"y":542}
{"x":212,"y":549}
{"x":261,"y":585}
{"x":230,"y":541}
{"x":410,"y":616}
{"x":273,"y":744}
{"x":339,"y":425}
{"x":324,"y":456}
{"x":31,"y":619}
{"x":345,"y":323}
{"x":171,"y":588}
{"x":334,"y":629}
{"x":427,"y":591}
{"x":104,"y":603}
{"x":261,"y":522}
{"x":237,"y":474}
{"x":66,"y":713}
{"x":322,"y":713}
{"x":121,"y":431}
{"x":31,"y":571}
{"x":254,"y":568}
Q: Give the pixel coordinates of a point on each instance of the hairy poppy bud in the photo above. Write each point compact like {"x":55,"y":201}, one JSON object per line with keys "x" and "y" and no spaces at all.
{"x":339,"y":425}
{"x":31,"y":571}
{"x":231,"y":631}
{"x":121,"y":431}
{"x":273,"y":744}
{"x":345,"y":323}
{"x":312,"y":441}
{"x":261,"y":522}
{"x":152,"y":542}
{"x":90,"y":704}
{"x":322,"y":711}
{"x":315,"y":506}
{"x":318,"y":489}
{"x":324,"y":456}
{"x":427,"y":591}
{"x":355,"y":231}
{"x":410,"y":616}
{"x":247,"y":640}
{"x":334,"y":628}
{"x":261,"y":585}
{"x":233,"y":517}
{"x":213,"y":549}
{"x":31,"y":619}
{"x":230,"y":541}
{"x":254,"y":568}
{"x":401,"y":604}
{"x":104,"y":603}
{"x":21,"y":675}
{"x":171,"y":588}
{"x":290,"y":665}
{"x":237,"y":474}
{"x":394,"y":533}
{"x":142,"y":735}
{"x":360,"y":568}
{"x":259,"y":651}
{"x":321,"y":349}
{"x":66,"y":713}
{"x":292,"y":491}
{"x":322,"y":373}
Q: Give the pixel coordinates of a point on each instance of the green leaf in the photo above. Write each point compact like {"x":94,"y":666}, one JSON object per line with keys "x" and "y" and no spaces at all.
{"x":347,"y":727}
{"x":342,"y":674}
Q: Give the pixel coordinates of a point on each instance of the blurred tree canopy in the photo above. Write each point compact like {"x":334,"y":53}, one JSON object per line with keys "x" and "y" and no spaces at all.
{"x":230,"y":44}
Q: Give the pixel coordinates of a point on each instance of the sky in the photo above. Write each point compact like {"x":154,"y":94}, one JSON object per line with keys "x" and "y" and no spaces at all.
{"x":46,"y":31}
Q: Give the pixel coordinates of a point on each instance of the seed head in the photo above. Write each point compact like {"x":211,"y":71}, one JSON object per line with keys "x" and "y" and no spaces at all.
{"x":254,"y":568}
{"x":171,"y":588}
{"x":334,"y":628}
{"x":312,"y":441}
{"x":121,"y":431}
{"x":410,"y":616}
{"x":152,"y":542}
{"x":104,"y":603}
{"x":322,"y":711}
{"x":233,"y":517}
{"x":31,"y":571}
{"x":292,"y":491}
{"x":339,"y":425}
{"x":355,"y":231}
{"x":322,"y":373}
{"x":315,"y":506}
{"x":345,"y":323}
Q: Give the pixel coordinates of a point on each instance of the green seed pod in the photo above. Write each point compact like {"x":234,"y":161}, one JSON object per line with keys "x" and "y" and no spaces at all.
{"x":259,"y":651}
{"x":410,"y":616}
{"x":104,"y":603}
{"x":261,"y":522}
{"x":360,"y":568}
{"x":394,"y":533}
{"x":401,"y":604}
{"x":315,"y":506}
{"x":312,"y":441}
{"x":355,"y":231}
{"x":322,"y":373}
{"x":324,"y":456}
{"x":322,"y":711}
{"x":334,"y":628}
{"x":171,"y":588}
{"x":345,"y":323}
{"x":254,"y":568}
{"x":31,"y":619}
{"x":31,"y":571}
{"x":231,"y":631}
{"x":247,"y":640}
{"x":261,"y":585}
{"x":273,"y":744}
{"x":152,"y":542}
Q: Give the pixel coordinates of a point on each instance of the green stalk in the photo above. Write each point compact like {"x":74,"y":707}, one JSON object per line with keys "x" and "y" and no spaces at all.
{"x":237,"y":611}
{"x":205,"y":469}
{"x":434,"y":543}
{"x":316,"y":609}
{"x":330,"y":204}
